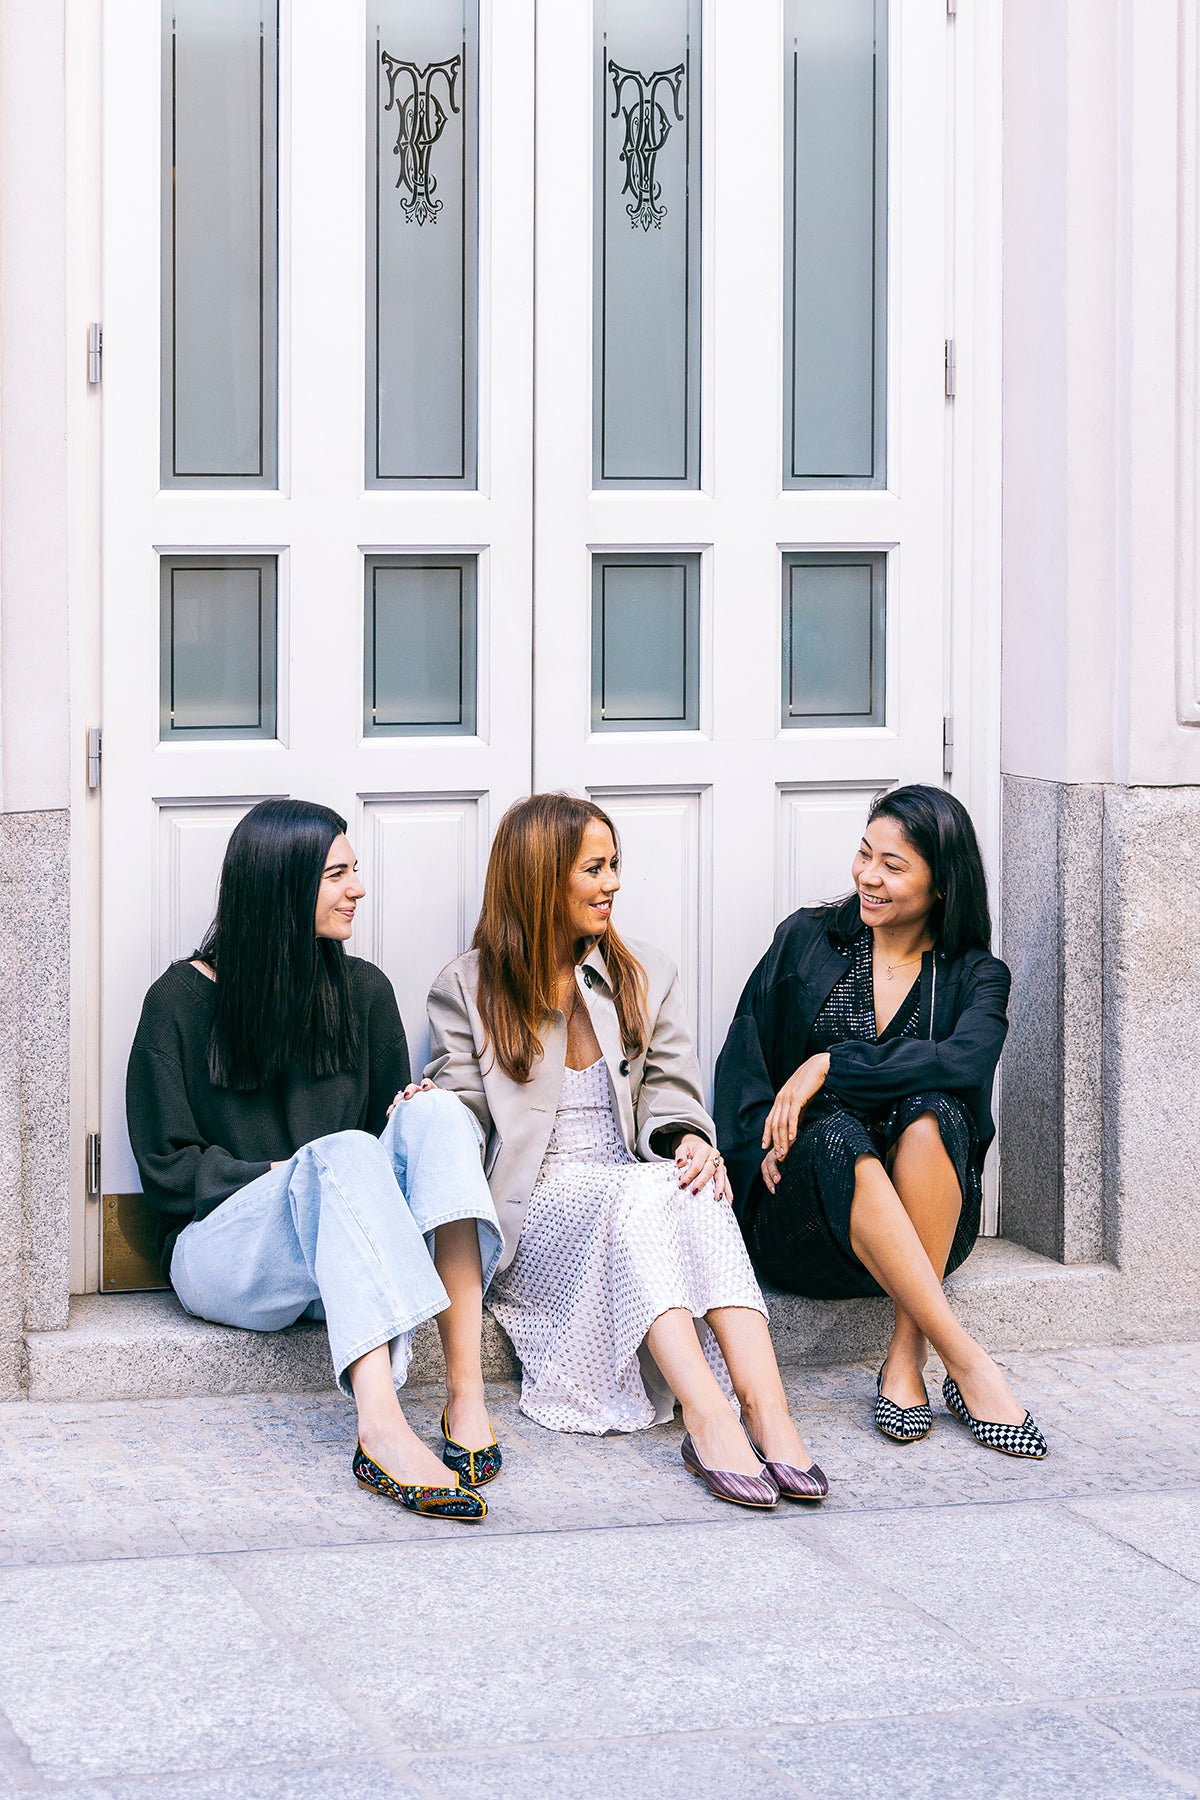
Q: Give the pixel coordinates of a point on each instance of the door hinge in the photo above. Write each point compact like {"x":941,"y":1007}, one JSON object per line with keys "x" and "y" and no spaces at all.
{"x":950,"y":369}
{"x":95,"y":353}
{"x":94,"y":752}
{"x":93,"y":1165}
{"x":948,"y":744}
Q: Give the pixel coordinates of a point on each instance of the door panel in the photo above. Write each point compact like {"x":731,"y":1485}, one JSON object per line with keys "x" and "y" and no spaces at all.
{"x":420,"y":803}
{"x":855,"y":568}
{"x":732,"y":653}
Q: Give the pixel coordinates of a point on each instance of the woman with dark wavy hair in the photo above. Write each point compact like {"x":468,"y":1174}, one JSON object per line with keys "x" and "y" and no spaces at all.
{"x":624,"y":1281}
{"x":853,"y":1098}
{"x":295,"y":1170}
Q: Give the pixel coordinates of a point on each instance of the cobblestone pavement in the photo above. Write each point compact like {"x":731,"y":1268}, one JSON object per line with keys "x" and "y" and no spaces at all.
{"x":196,"y":1600}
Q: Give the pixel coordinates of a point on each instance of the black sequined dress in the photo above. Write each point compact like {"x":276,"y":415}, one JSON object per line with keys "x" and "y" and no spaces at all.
{"x":799,"y":1237}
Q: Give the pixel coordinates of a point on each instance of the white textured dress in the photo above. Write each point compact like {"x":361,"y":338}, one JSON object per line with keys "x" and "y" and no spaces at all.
{"x":609,"y":1243}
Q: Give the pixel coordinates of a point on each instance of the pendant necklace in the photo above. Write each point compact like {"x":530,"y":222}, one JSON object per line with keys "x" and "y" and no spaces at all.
{"x":889,"y":969}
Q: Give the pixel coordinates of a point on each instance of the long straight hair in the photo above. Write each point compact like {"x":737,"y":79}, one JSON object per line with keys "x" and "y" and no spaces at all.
{"x":939,"y":829}
{"x":523,"y":923}
{"x":282,"y":994}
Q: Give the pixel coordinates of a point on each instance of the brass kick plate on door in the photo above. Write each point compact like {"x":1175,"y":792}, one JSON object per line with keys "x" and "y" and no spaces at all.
{"x":128,"y":1258}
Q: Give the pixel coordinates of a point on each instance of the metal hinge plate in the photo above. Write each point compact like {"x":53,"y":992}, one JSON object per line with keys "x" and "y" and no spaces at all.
{"x":95,"y":353}
{"x":95,"y":750}
{"x":948,"y":744}
{"x":950,"y":369}
{"x":93,"y":1165}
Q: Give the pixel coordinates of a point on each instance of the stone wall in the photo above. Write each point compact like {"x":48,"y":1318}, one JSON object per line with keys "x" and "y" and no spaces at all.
{"x":34,"y":1080}
{"x":1100,"y":1099}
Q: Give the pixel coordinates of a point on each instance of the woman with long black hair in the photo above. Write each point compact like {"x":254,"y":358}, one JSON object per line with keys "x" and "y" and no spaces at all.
{"x":294,"y":1168}
{"x":853,"y":1100}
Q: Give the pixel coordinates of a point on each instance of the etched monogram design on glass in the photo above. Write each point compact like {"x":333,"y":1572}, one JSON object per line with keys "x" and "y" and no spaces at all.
{"x":647,"y":128}
{"x":422,"y":120}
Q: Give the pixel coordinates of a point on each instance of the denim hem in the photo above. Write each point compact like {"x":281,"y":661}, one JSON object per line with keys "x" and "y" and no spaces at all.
{"x":429,"y":1226}
{"x":384,"y":1335}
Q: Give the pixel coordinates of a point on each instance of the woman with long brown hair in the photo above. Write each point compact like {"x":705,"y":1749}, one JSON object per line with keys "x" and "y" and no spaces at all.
{"x":624,"y":1282}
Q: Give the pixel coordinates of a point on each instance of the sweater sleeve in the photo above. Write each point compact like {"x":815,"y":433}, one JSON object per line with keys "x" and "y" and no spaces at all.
{"x":182,"y":1174}
{"x":387,"y":1050}
{"x":875,"y":1074}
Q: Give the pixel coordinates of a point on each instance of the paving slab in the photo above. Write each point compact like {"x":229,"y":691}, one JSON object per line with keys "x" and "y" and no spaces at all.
{"x":667,"y":1630}
{"x":1054,"y":1600}
{"x":1010,"y":1755}
{"x":671,"y":1769}
{"x":196,"y":1600}
{"x":1164,"y":1526}
{"x":145,"y":1667}
{"x":1167,"y":1729}
{"x":159,"y":1477}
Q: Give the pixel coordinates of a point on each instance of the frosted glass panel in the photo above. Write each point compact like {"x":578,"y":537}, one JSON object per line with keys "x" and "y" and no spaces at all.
{"x":219,"y":238}
{"x":646,"y":355}
{"x":645,"y":643}
{"x":218,"y":641}
{"x":422,"y":239}
{"x":419,"y":675}
{"x":835,"y":267}
{"x":833,"y":638}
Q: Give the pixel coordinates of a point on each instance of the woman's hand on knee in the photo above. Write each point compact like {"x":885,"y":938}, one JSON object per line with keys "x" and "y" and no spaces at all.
{"x":770,"y":1171}
{"x":698,"y":1162}
{"x":783,"y":1120}
{"x":414,"y":1087}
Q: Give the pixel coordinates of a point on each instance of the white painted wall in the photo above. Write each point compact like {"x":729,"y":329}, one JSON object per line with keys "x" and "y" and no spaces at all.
{"x":1100,"y":396}
{"x":34,"y":673}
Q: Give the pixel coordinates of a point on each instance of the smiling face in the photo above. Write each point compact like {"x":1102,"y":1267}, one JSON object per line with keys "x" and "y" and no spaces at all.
{"x":894,"y":884}
{"x":592,"y":883}
{"x":339,"y":892}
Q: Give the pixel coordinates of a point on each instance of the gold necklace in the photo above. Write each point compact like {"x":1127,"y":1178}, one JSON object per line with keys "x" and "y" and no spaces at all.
{"x":889,"y":969}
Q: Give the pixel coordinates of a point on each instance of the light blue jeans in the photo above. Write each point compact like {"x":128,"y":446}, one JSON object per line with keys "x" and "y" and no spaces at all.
{"x":345,"y":1231}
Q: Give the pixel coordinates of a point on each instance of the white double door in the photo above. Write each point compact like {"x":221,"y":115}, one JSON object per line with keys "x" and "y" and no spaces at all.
{"x":728,"y":821}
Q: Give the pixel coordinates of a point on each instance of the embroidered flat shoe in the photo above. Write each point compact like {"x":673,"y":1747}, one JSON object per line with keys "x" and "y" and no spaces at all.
{"x":472,"y":1466}
{"x":903,"y":1424}
{"x":1011,"y":1440}
{"x":790,"y":1482}
{"x":724,"y":1484}
{"x":434,"y":1502}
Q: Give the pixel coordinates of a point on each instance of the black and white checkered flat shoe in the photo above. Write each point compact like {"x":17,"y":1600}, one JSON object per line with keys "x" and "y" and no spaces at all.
{"x":903,"y":1424}
{"x":1012,"y":1440}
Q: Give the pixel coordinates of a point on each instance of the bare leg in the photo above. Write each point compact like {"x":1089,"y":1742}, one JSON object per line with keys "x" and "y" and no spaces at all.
{"x":749,"y":1354}
{"x":384,"y":1432}
{"x":718,"y":1437}
{"x":924,"y":1177}
{"x":456,"y":1259}
{"x":885,"y":1240}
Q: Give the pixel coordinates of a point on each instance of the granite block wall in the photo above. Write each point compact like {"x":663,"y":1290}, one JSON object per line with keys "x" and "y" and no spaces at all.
{"x":1052,"y":937}
{"x":34,"y":1071}
{"x":1100,"y":1097}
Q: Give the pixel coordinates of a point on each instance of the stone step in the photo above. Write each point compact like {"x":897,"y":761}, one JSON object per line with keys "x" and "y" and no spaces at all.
{"x":123,"y":1346}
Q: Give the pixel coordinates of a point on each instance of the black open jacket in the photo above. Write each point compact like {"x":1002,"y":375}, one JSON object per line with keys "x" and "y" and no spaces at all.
{"x":961,"y":1028}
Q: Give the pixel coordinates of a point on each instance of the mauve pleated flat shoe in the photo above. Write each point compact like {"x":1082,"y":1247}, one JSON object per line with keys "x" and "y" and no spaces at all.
{"x":794,"y":1483}
{"x":724,"y":1484}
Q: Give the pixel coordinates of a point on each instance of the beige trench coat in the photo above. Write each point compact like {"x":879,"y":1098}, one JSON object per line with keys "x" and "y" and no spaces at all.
{"x":660,"y":1090}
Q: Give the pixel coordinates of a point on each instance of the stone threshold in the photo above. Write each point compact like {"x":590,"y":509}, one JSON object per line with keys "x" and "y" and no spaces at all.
{"x":130,"y":1346}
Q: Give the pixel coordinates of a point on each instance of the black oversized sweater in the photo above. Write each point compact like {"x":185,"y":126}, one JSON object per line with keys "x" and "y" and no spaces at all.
{"x":961,"y":1026}
{"x":196,"y":1144}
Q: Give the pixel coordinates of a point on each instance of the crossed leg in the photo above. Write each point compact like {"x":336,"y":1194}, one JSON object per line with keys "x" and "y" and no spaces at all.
{"x":901,"y":1230}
